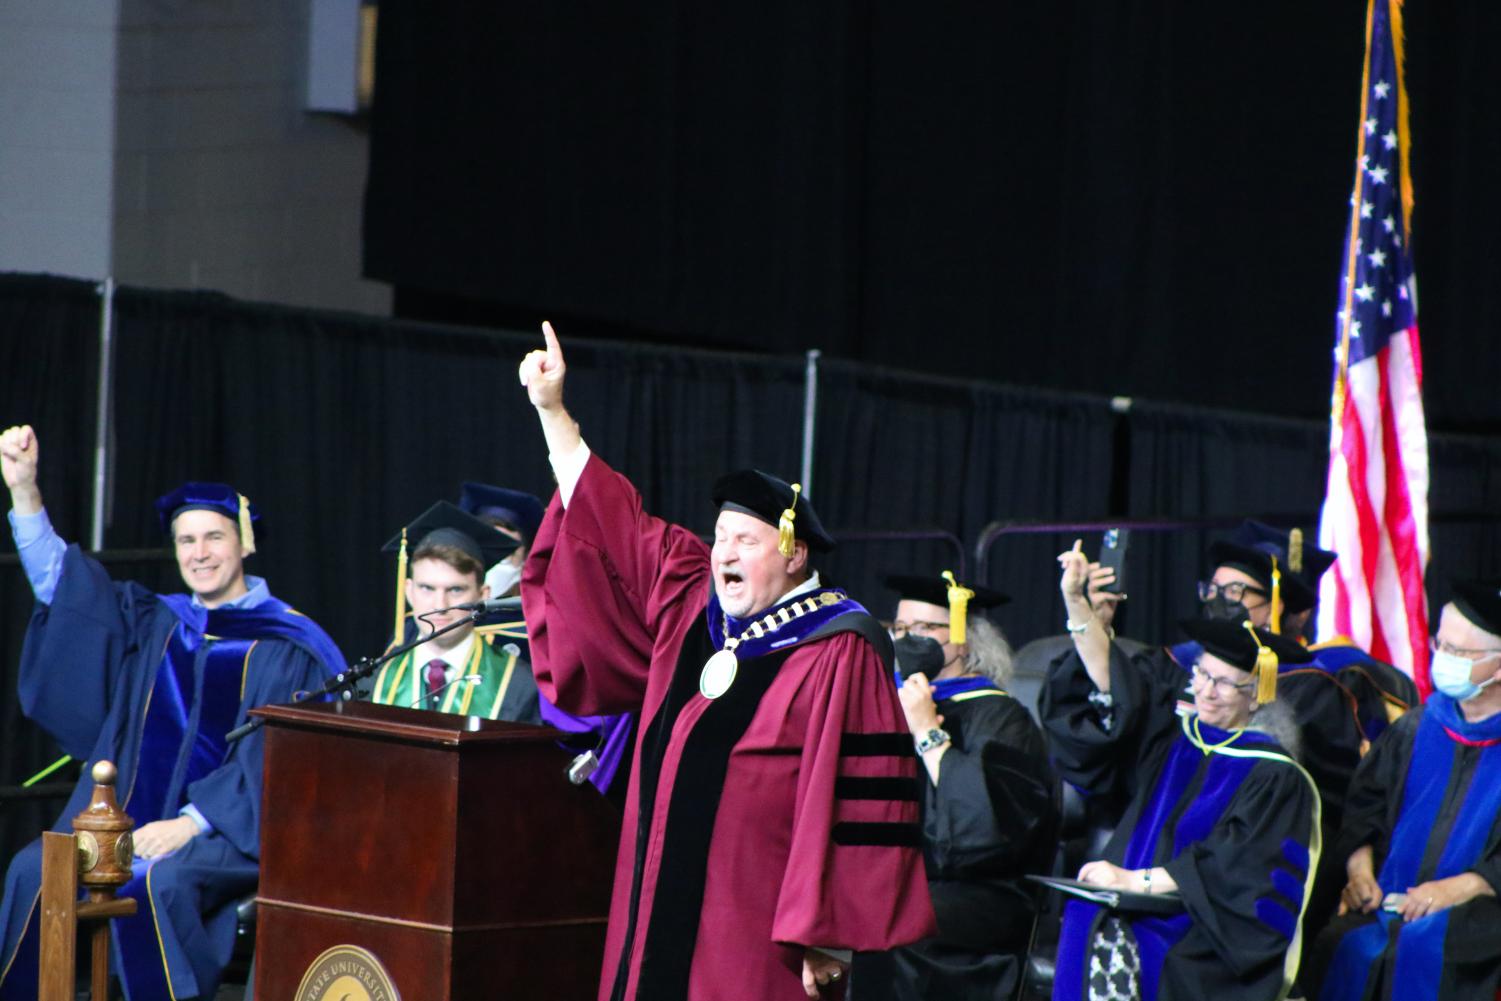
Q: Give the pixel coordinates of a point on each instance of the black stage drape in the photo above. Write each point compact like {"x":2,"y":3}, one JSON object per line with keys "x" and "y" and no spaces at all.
{"x":49,"y":332}
{"x":1142,"y":199}
{"x":343,"y":427}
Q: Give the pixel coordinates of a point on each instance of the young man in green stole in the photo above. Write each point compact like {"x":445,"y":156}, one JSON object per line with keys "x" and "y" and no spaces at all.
{"x":459,"y":671}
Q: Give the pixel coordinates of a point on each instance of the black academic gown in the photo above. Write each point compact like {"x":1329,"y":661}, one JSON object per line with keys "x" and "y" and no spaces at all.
{"x":93,"y":675}
{"x":1230,"y":815}
{"x":1427,"y":799}
{"x":991,"y":819}
{"x":1332,"y":733}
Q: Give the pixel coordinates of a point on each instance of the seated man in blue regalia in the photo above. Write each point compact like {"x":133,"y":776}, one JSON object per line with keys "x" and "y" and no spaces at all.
{"x":155,"y":683}
{"x":1421,"y":843}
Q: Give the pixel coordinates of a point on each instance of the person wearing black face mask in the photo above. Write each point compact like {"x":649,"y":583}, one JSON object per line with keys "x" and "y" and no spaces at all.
{"x":989,"y":799}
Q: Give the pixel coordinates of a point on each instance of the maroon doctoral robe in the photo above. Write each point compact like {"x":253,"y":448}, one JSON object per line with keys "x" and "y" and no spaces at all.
{"x":779,"y":816}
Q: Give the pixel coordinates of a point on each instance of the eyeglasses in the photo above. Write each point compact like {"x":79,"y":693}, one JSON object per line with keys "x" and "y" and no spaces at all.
{"x":920,"y":628}
{"x":1233,"y":591}
{"x":1220,"y":687}
{"x":1439,"y":646}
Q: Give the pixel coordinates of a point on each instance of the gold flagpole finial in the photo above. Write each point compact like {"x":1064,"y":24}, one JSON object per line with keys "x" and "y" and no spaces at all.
{"x":785,"y":533}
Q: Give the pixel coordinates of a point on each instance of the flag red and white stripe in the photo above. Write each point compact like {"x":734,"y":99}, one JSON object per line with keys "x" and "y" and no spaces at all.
{"x":1375,"y":513}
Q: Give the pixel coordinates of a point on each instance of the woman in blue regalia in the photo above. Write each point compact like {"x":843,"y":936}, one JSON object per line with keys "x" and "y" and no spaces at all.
{"x":1218,"y":812}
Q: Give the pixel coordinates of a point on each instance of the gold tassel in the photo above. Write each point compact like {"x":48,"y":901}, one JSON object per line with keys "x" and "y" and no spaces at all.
{"x":785,"y":534}
{"x":398,"y":632}
{"x":1295,"y":550}
{"x":1275,"y":622}
{"x":247,"y":533}
{"x":959,"y":596}
{"x":1266,"y":668}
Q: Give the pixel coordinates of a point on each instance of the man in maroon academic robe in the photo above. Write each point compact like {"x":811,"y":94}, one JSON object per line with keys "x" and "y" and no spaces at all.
{"x":771,"y":821}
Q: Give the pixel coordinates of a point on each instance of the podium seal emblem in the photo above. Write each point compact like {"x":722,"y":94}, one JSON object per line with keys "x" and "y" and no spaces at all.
{"x":346,"y":973}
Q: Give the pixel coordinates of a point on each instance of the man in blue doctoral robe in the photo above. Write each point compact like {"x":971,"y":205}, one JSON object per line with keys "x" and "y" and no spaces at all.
{"x":1421,"y":843}
{"x":154,"y":683}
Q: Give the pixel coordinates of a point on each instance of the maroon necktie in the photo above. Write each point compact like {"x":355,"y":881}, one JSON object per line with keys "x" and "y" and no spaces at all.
{"x":437,"y":673}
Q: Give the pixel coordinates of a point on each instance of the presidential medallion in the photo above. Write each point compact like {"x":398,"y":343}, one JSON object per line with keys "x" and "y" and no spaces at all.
{"x":718,"y":674}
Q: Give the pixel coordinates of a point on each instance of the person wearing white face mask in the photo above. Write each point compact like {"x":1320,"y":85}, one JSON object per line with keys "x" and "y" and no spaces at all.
{"x":1422,"y":833}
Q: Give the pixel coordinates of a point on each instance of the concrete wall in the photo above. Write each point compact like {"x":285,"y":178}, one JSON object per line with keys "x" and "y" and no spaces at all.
{"x":57,"y":79}
{"x":222,"y":181}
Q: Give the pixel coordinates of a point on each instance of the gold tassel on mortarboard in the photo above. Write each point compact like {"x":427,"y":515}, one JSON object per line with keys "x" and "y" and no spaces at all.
{"x":1275,"y":622}
{"x":785,"y":534}
{"x":1295,"y":550}
{"x":247,"y":533}
{"x":1266,"y":668}
{"x":959,"y":596}
{"x":398,"y":631}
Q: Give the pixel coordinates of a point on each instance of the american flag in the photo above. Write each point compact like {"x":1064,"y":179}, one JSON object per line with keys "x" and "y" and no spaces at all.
{"x":1376,"y":507}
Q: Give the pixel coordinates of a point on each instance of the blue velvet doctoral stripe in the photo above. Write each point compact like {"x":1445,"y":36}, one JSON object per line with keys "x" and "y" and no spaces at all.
{"x":1178,"y":771}
{"x":1419,"y":965}
{"x":164,"y":734}
{"x":946,"y":688}
{"x":795,"y":631}
{"x":139,"y":961}
{"x":1071,"y":966}
{"x":1155,"y":937}
{"x":1356,"y":953}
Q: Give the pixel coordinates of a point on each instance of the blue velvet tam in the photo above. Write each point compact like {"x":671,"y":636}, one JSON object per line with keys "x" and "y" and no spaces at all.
{"x":516,"y":508}
{"x":220,"y":498}
{"x":1251,"y":549}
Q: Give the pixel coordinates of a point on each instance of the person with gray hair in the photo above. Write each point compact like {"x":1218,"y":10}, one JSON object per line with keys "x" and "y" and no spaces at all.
{"x":989,"y":799}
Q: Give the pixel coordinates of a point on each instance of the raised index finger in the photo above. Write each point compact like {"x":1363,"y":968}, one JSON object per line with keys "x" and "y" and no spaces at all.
{"x":554,"y":350}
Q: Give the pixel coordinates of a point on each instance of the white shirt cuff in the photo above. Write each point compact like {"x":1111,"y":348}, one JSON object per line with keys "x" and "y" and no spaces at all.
{"x":568,"y":468}
{"x":192,"y":811}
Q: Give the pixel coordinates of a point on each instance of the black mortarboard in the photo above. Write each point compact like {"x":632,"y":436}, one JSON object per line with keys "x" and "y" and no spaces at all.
{"x":514,"y":507}
{"x":444,"y":524}
{"x":1258,"y":651}
{"x":447,"y":524}
{"x":934,"y":589}
{"x":945,"y":591}
{"x":220,"y":498}
{"x":1480,"y":602}
{"x":1299,"y":565}
{"x":771,"y":500}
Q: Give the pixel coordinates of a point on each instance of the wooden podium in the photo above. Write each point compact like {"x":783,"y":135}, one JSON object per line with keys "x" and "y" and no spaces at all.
{"x":450,"y":849}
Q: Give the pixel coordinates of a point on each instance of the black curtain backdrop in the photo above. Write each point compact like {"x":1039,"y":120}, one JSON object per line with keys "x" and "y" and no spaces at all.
{"x":49,"y":330}
{"x":1142,"y":199}
{"x":343,"y":427}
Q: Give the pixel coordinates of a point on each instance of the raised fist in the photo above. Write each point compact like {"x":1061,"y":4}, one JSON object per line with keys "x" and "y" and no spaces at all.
{"x":18,"y":457}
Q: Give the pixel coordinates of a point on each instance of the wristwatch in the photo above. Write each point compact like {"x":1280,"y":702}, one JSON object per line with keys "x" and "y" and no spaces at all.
{"x":933,"y":738}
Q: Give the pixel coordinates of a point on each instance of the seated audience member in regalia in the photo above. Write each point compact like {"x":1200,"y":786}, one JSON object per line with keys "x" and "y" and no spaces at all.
{"x":989,"y":800}
{"x":1421,"y":841}
{"x":155,"y":683}
{"x":1219,"y":813}
{"x":602,"y":743}
{"x":445,"y":553}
